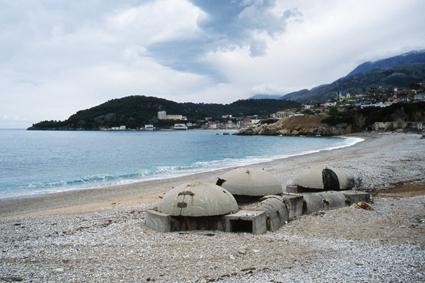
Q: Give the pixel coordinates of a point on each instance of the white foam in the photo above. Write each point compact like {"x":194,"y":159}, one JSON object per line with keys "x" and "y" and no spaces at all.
{"x":168,"y":172}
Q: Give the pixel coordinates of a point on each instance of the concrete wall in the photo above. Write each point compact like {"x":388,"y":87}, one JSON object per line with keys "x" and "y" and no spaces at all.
{"x":276,"y":212}
{"x":158,"y":221}
{"x":270,"y":214}
{"x":245,"y":220}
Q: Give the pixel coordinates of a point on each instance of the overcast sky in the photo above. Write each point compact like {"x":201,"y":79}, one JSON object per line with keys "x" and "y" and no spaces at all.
{"x":57,"y":57}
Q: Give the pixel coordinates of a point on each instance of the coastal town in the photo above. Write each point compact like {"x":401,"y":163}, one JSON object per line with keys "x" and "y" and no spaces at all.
{"x":342,"y":102}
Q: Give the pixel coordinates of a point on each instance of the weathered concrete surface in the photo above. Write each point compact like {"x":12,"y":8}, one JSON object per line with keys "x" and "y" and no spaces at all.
{"x":275,"y":210}
{"x":333,"y":200}
{"x":321,"y":178}
{"x":198,"y":199}
{"x":313,"y":202}
{"x":250,"y":182}
{"x":158,"y":221}
{"x":354,"y":197}
{"x":246,"y":221}
{"x":294,"y":204}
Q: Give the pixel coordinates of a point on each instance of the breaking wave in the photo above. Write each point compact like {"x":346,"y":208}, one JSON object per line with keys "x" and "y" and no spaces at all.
{"x":163,"y":172}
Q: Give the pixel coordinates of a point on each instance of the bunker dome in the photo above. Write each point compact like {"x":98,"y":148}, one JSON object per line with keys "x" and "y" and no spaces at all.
{"x":197,"y":200}
{"x":322,"y":178}
{"x":250,"y":182}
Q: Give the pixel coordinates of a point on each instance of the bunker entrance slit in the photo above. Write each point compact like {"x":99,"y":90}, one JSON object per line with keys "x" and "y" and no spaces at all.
{"x":241,"y":226}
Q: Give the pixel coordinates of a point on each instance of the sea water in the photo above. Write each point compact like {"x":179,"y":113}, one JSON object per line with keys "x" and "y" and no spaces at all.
{"x":33,"y":162}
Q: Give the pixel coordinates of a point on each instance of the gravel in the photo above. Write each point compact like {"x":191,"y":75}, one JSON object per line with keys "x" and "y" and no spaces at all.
{"x":348,"y":244}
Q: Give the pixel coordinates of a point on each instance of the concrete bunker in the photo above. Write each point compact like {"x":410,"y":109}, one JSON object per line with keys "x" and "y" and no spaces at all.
{"x":203,"y":206}
{"x":195,"y":206}
{"x":276,"y":211}
{"x":246,"y":221}
{"x":249,"y":184}
{"x":321,"y":179}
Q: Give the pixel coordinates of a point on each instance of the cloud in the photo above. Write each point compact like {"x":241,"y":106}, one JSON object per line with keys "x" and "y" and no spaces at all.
{"x":228,"y":25}
{"x":57,"y":57}
{"x":66,"y":64}
{"x":332,"y":38}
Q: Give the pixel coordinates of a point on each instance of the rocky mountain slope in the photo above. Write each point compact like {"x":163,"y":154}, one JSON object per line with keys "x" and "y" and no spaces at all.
{"x":397,"y":71}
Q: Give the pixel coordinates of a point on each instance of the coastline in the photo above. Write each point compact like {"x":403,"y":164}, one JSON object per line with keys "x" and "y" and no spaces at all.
{"x":100,"y":235}
{"x":146,"y":192}
{"x":207,"y":166}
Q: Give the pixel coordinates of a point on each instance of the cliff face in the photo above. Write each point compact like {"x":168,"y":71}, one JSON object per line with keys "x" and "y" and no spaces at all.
{"x":298,"y":125}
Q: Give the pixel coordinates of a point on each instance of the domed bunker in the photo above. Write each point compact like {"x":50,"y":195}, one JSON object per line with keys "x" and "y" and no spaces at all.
{"x":194,"y":206}
{"x":203,"y":206}
{"x":321,"y":179}
{"x":250,"y":183}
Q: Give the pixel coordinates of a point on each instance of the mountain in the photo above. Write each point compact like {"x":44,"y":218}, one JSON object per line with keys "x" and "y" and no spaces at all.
{"x":266,"y":96}
{"x":397,"y":71}
{"x":413,"y":57}
{"x":136,"y":111}
{"x":295,"y":94}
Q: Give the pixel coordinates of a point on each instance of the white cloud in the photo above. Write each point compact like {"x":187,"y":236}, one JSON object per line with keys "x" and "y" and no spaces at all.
{"x":332,"y":38}
{"x":57,"y":57}
{"x":156,"y":21}
{"x":65,"y":67}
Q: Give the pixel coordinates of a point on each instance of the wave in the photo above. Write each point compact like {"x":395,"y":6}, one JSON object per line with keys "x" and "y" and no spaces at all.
{"x":164,"y":172}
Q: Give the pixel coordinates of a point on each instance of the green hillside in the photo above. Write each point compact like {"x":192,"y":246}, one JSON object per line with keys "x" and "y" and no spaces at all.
{"x":136,"y":111}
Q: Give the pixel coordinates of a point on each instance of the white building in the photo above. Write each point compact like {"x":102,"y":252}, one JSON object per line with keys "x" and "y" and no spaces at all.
{"x":120,"y":128}
{"x":282,"y":114}
{"x":162,"y":115}
{"x":420,"y":97}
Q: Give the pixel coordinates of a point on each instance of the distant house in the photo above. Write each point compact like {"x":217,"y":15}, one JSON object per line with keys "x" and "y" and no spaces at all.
{"x":162,"y":115}
{"x":282,"y":114}
{"x":419,"y":97}
{"x":378,"y":104}
{"x":120,"y":128}
{"x":212,"y":126}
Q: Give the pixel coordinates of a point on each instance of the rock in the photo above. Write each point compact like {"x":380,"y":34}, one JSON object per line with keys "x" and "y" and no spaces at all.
{"x":362,"y":205}
{"x":11,"y":279}
{"x":298,"y":125}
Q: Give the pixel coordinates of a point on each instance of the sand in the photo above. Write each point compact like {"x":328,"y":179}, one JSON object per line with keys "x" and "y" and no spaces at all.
{"x":99,"y":234}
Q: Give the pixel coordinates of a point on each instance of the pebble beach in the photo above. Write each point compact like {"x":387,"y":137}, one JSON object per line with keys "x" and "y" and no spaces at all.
{"x":99,"y":235}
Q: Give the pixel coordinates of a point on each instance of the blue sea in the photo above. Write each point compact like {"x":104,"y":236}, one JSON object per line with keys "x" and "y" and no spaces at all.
{"x":34,"y":162}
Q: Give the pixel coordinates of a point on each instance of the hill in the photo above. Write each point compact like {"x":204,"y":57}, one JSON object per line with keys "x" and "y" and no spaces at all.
{"x":398,"y":71}
{"x":413,"y":57}
{"x":136,"y":111}
{"x":266,"y":96}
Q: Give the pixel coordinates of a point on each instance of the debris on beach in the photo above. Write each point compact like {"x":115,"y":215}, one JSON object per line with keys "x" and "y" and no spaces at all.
{"x":362,"y":205}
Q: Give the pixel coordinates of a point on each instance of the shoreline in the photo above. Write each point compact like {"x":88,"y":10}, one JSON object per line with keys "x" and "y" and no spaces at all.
{"x":146,"y":192}
{"x":235,"y":163}
{"x":101,"y":235}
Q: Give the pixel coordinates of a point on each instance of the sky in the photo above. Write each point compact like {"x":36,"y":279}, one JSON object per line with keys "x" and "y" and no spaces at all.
{"x":60,"y":56}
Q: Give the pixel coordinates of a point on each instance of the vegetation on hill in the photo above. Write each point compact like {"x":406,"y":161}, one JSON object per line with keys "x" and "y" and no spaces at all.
{"x":136,"y":111}
{"x":413,"y":57}
{"x":340,"y":122}
{"x":398,"y":71}
{"x":362,"y":119}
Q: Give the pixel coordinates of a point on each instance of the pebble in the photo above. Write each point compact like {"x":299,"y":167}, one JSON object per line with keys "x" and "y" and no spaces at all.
{"x":347,"y":245}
